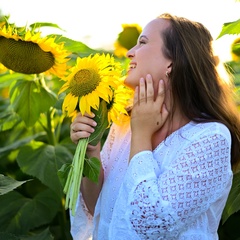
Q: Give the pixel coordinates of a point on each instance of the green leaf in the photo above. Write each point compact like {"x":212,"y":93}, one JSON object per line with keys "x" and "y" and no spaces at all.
{"x":30,"y":99}
{"x":7,"y":184}
{"x":9,"y":218}
{"x":74,"y":46}
{"x":21,"y":214}
{"x":233,"y":201}
{"x":43,"y":161}
{"x":44,"y":24}
{"x":101,"y":117}
{"x":7,"y":79}
{"x":230,"y":28}
{"x":92,"y":168}
{"x":19,"y":143}
{"x":46,"y":235}
{"x":9,"y":236}
{"x":63,"y":173}
{"x":8,"y":120}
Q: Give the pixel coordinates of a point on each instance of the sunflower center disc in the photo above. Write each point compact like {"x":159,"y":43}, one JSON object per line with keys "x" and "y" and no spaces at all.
{"x":24,"y":57}
{"x":84,"y":82}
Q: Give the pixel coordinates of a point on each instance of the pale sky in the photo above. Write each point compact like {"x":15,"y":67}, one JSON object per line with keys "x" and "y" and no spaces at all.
{"x":98,"y":22}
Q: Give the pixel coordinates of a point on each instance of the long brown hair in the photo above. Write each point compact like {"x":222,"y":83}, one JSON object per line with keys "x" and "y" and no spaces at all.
{"x":196,"y":85}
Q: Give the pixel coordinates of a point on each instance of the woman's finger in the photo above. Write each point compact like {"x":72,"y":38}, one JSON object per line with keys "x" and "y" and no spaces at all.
{"x":142,"y":97}
{"x":161,"y":93}
{"x":150,"y":89}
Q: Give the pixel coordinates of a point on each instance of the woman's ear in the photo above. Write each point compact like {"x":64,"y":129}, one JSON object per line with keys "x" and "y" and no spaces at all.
{"x":169,"y":68}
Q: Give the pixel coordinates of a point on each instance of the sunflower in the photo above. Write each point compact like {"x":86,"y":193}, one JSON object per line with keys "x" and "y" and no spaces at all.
{"x":126,"y":39}
{"x":31,"y":54}
{"x":117,"y":112}
{"x":94,"y":84}
{"x":3,"y":69}
{"x":2,"y":24}
{"x":92,"y":78}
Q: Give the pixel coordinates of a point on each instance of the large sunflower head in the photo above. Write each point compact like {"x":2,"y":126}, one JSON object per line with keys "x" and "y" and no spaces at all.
{"x":126,"y":39}
{"x":27,"y":52}
{"x":91,"y":79}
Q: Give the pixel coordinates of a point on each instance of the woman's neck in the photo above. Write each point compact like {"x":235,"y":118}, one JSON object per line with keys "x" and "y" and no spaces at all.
{"x":170,"y":126}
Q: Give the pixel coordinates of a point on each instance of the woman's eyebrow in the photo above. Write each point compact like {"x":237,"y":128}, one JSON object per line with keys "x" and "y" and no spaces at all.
{"x":143,"y":36}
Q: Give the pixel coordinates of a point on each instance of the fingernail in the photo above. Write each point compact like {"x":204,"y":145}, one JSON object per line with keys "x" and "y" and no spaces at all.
{"x":94,"y":124}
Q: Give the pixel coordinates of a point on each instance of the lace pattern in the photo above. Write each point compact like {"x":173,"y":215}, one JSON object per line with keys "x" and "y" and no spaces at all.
{"x":195,"y":180}
{"x":164,"y":205}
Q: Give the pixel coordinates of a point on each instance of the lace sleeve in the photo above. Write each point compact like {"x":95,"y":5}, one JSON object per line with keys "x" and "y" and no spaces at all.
{"x":163,"y":202}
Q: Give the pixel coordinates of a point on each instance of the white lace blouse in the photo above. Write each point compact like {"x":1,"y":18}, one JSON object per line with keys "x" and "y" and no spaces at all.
{"x":178,"y":191}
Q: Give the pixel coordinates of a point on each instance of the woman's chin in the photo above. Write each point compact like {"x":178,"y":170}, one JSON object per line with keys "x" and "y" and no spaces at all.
{"x":129,"y":82}
{"x":129,"y":85}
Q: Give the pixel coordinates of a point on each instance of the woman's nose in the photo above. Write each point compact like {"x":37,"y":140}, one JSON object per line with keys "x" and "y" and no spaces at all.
{"x":130,"y":53}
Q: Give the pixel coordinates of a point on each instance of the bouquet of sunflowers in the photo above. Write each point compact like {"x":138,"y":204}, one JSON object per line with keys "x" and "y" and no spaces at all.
{"x":95,"y":85}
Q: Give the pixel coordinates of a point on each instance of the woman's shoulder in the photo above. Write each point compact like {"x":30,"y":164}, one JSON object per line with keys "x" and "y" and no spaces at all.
{"x":203,"y":129}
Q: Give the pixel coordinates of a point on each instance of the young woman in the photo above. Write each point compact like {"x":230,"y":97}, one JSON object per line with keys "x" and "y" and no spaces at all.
{"x":167,"y":173}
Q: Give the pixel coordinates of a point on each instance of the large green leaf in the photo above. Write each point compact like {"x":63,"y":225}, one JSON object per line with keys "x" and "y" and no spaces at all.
{"x":7,"y":184}
{"x":7,"y":79}
{"x":9,"y":218}
{"x":30,"y":99}
{"x":18,"y":214}
{"x":230,"y":28}
{"x":43,"y":161}
{"x":8,"y":119}
{"x":74,"y":46}
{"x":233,"y":201}
{"x":92,"y":168}
{"x":9,"y":236}
{"x":44,"y":235}
{"x":230,"y":229}
{"x":19,"y":143}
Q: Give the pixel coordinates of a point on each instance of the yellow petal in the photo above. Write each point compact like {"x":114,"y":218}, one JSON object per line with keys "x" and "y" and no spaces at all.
{"x":72,"y":103}
{"x":82,"y":105}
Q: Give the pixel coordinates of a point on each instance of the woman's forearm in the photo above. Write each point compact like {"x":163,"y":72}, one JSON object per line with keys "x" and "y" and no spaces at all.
{"x":90,"y":190}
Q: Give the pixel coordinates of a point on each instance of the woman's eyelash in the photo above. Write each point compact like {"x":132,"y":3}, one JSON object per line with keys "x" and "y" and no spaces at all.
{"x":141,"y":42}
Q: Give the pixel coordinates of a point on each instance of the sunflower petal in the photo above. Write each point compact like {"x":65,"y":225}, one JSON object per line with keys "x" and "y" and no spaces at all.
{"x":72,"y":104}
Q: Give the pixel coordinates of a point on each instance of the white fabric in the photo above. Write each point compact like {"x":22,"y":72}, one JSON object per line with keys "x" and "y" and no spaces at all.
{"x":178,"y":191}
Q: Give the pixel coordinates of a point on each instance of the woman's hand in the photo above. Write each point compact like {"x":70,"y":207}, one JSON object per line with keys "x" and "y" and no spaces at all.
{"x":82,"y":127}
{"x":148,"y":114}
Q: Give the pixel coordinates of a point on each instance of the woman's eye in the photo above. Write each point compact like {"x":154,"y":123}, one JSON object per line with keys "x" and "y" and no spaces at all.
{"x":141,"y":42}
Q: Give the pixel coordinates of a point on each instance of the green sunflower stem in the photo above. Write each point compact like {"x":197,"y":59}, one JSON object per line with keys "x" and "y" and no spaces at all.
{"x":72,"y":186}
{"x":50,"y":127}
{"x":74,"y":178}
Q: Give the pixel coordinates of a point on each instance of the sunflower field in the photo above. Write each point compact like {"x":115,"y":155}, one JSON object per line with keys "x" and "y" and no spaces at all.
{"x":34,"y":131}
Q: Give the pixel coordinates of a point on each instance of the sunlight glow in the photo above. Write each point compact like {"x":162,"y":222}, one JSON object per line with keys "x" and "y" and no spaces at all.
{"x":97,"y":23}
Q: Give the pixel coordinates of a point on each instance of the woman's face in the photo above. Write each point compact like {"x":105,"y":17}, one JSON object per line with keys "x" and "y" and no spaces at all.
{"x":146,"y":57}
